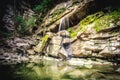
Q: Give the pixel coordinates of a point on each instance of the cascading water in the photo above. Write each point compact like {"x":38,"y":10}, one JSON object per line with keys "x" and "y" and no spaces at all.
{"x":65,"y":47}
{"x":60,"y":26}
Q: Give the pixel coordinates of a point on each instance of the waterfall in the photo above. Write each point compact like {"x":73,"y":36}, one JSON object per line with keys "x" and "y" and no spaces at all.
{"x":65,"y":47}
{"x":67,"y":22}
{"x":68,"y":49}
{"x":60,"y":25}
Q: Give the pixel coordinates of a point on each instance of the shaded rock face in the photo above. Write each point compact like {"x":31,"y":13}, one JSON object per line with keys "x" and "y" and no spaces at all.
{"x":8,"y":10}
{"x":8,"y":18}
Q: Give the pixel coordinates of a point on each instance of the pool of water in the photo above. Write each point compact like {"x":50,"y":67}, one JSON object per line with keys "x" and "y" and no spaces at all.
{"x":53,"y":70}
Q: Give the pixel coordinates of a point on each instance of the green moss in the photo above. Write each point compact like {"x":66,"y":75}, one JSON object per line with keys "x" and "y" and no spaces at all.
{"x":56,"y":14}
{"x":72,"y":33}
{"x":58,"y":11}
{"x":91,"y":18}
{"x":100,"y":20}
{"x":104,"y":21}
{"x":44,"y":41}
{"x":83,"y":23}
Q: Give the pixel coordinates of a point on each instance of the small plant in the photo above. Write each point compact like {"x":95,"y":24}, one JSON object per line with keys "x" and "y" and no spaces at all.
{"x":56,"y":14}
{"x":42,"y":9}
{"x":24,"y":24}
{"x":45,"y":4}
{"x":21,"y":23}
{"x":58,"y":11}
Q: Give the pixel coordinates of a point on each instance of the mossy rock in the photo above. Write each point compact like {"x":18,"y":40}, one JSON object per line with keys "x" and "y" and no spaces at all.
{"x":104,"y":21}
{"x":41,"y":44}
{"x":58,"y":11}
{"x":100,"y":21}
{"x":83,"y":23}
{"x":91,"y":18}
{"x":44,"y":41}
{"x":57,"y":14}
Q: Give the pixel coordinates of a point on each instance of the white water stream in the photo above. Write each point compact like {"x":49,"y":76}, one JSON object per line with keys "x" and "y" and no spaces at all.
{"x":65,"y":47}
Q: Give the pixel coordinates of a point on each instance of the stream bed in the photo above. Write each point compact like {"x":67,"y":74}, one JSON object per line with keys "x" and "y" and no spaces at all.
{"x":58,"y":70}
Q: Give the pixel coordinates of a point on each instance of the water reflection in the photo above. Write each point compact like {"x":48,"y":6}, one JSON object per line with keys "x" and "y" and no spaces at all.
{"x":51,"y":70}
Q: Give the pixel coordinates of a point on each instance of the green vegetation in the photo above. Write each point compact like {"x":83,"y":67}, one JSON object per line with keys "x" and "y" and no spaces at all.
{"x":99,"y":20}
{"x":24,"y":24}
{"x":91,"y":18}
{"x":44,"y":41}
{"x":83,"y":23}
{"x":21,"y":23}
{"x":58,"y":11}
{"x":45,"y":4}
{"x":42,"y":9}
{"x":104,"y":21}
{"x":56,"y":14}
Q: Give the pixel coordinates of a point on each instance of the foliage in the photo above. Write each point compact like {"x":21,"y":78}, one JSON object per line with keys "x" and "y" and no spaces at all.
{"x":42,"y":9}
{"x":19,"y":20}
{"x":24,"y":24}
{"x":45,"y":4}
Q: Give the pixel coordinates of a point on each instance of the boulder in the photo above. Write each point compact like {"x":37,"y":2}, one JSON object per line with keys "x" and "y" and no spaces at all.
{"x":55,"y":46}
{"x":60,"y":45}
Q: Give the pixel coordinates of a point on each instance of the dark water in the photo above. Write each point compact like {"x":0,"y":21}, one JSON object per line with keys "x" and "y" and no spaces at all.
{"x":50,"y":70}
